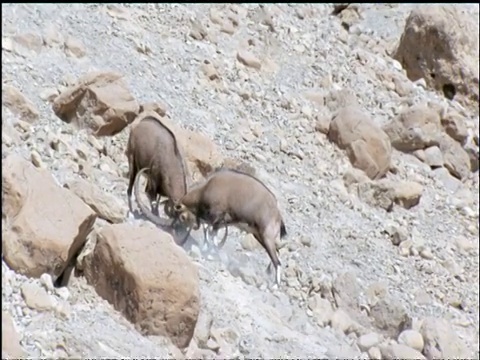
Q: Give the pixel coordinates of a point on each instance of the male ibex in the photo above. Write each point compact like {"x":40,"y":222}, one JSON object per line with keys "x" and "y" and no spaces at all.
{"x":152,"y":146}
{"x":229,"y":197}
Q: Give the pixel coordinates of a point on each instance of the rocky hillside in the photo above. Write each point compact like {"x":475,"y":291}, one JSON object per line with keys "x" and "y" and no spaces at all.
{"x":362,"y":119}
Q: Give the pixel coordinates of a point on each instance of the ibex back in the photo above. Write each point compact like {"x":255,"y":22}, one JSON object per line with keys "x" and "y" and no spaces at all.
{"x":230,"y":197}
{"x":153,"y":146}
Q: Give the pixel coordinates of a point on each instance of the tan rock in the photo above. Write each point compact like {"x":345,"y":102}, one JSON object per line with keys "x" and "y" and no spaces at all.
{"x":374,"y":353}
{"x":367,"y":341}
{"x":433,"y":156}
{"x":412,"y":339}
{"x":340,"y":99}
{"x":227,"y":27}
{"x":198,"y":31}
{"x":74,"y":47}
{"x":454,"y":125}
{"x":105,"y":205}
{"x":148,"y":278}
{"x":400,"y":351}
{"x":368,"y":147}
{"x":407,"y":193}
{"x":48,"y":94}
{"x":384,"y":193}
{"x":52,"y":36}
{"x":440,"y":45}
{"x":209,"y":70}
{"x":321,"y":308}
{"x":239,"y":165}
{"x":46,"y":224}
{"x":456,"y":160}
{"x":159,"y":108}
{"x":11,"y":348}
{"x":354,"y":176}
{"x":249,"y":242}
{"x":390,"y":316}
{"x":29,"y":41}
{"x":322,"y":123}
{"x":342,"y":321}
{"x":201,"y":153}
{"x":101,"y":95}
{"x":247,"y":58}
{"x":19,"y":104}
{"x":441,"y":341}
{"x":37,"y":297}
{"x":414,"y":128}
{"x":346,"y":290}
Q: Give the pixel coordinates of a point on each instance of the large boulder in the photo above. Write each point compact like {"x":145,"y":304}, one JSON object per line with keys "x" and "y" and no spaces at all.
{"x":440,"y":44}
{"x":367,"y":145}
{"x":148,"y":278}
{"x":45,"y":225}
{"x":100,"y":101}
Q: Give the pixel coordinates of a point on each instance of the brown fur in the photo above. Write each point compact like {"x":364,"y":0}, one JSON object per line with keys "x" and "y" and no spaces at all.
{"x":153,"y":146}
{"x":230,"y":197}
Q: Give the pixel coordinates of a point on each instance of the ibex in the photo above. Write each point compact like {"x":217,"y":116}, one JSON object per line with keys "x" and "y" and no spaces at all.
{"x":230,"y":197}
{"x":152,"y":146}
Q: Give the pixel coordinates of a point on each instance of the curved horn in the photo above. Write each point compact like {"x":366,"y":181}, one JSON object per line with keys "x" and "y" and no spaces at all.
{"x":221,"y":243}
{"x":143,"y":207}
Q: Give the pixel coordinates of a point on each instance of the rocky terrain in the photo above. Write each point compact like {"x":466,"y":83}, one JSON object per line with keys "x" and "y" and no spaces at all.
{"x":362,"y":119}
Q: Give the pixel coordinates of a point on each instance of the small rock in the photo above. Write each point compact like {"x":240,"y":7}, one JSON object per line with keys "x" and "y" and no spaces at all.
{"x":341,"y":321}
{"x":36,"y":159}
{"x":36,"y":297}
{"x":47,"y":281}
{"x":19,"y":104}
{"x":198,"y":31}
{"x":454,"y":125}
{"x":321,"y":308}
{"x":322,"y":123}
{"x":400,"y":351}
{"x":64,"y":309}
{"x":49,"y":94}
{"x":247,"y":58}
{"x":159,"y":107}
{"x":408,"y":193}
{"x":209,"y":70}
{"x":433,"y":156}
{"x":412,"y":339}
{"x":390,"y":316}
{"x":426,"y":253}
{"x":367,"y":341}
{"x":375,"y":353}
{"x":249,"y":243}
{"x":227,"y":27}
{"x":202,"y":329}
{"x":63,"y":292}
{"x":398,"y":235}
{"x":74,"y":47}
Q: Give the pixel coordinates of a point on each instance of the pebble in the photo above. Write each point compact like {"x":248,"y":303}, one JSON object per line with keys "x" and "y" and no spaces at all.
{"x":412,"y":339}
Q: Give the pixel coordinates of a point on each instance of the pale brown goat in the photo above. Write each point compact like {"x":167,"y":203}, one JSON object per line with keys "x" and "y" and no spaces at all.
{"x":229,"y":197}
{"x":153,"y":146}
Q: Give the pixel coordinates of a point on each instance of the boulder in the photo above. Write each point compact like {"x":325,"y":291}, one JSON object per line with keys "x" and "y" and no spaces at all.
{"x":45,"y":224}
{"x":440,"y":45}
{"x":414,"y":128}
{"x":100,"y":101}
{"x":148,"y":278}
{"x":367,"y":145}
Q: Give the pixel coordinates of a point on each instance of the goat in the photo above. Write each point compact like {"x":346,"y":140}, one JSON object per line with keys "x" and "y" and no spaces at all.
{"x":153,"y":146}
{"x":230,"y":197}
